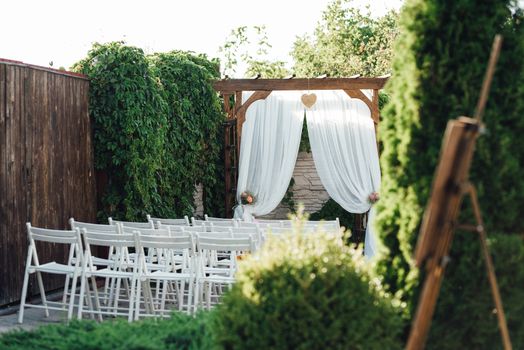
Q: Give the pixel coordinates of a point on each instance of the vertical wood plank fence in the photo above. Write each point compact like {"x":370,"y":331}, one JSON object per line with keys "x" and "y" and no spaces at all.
{"x":46,"y":164}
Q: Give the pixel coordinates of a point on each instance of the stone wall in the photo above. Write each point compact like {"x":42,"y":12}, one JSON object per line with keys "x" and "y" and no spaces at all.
{"x":199,"y":204}
{"x":307,"y":188}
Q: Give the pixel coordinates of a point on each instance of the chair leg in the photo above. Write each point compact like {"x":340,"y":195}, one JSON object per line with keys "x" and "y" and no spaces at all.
{"x":24,"y":294}
{"x":196,"y":300}
{"x":164,"y":293}
{"x":72,"y":295}
{"x":97,"y":300}
{"x":190,"y":288}
{"x":66,"y":288}
{"x":181,"y":295}
{"x":116,"y":296}
{"x":83,"y":280}
{"x":137,"y":293}
{"x":208,"y":295}
{"x":42,"y":292}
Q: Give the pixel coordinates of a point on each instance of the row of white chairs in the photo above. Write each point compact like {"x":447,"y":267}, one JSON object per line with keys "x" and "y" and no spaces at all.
{"x":262,"y":223}
{"x":190,"y":263}
{"x":185,"y":266}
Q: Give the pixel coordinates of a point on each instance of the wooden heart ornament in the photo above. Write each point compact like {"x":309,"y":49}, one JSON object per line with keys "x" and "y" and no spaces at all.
{"x":309,"y":100}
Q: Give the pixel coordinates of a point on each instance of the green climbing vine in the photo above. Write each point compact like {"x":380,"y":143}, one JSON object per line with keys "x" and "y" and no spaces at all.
{"x":157,"y":130}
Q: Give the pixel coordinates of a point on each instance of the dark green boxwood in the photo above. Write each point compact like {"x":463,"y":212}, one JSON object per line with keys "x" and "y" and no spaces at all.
{"x":307,"y":292}
{"x":178,"y":332}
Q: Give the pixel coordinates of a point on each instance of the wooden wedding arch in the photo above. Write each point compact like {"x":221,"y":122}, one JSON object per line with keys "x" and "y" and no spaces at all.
{"x":231,"y":91}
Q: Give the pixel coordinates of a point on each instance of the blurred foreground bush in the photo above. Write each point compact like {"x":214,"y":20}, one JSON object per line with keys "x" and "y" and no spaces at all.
{"x":307,"y":292}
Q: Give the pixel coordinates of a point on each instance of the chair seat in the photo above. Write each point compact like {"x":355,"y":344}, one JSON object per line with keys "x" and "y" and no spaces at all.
{"x":161,"y":275}
{"x":54,"y":267}
{"x":218,"y":279}
{"x":218,"y":271}
{"x":110,"y":273}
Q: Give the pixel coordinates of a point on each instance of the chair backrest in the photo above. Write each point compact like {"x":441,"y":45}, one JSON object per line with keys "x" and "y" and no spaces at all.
{"x":172,"y":222}
{"x":118,"y":244}
{"x":194,"y":229}
{"x":224,"y":244}
{"x":219,"y":228}
{"x":92,"y":227}
{"x":52,"y":236}
{"x":164,"y":231}
{"x":72,"y":238}
{"x":166,"y":242}
{"x":211,"y":218}
{"x":275,"y":223}
{"x":221,"y":224}
{"x":104,"y":239}
{"x":131,"y":223}
{"x":324,"y":225}
{"x":262,"y":225}
{"x":228,"y":223}
{"x":288,"y":230}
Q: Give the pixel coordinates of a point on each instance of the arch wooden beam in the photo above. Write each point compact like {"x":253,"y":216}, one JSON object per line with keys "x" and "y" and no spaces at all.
{"x":356,"y":83}
{"x":241,"y":112}
{"x":372,"y":105}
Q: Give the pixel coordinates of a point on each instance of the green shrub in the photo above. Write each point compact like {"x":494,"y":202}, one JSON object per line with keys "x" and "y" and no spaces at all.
{"x":178,"y":332}
{"x":464,"y":317}
{"x":307,"y":292}
{"x":439,"y":63}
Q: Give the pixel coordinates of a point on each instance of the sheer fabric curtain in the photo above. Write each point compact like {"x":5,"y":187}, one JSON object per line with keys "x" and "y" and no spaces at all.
{"x":268,"y":150}
{"x":343,"y":143}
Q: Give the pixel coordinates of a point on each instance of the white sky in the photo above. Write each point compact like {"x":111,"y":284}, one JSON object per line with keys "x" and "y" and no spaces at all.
{"x":40,"y":31}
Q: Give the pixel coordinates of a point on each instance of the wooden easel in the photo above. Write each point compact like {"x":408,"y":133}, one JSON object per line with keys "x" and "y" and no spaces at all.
{"x":450,"y":185}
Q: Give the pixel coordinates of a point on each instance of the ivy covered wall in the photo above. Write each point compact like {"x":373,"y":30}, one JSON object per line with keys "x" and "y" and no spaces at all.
{"x":157,"y":130}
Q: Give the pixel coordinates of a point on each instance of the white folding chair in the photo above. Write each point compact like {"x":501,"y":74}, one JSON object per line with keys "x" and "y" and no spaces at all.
{"x":122,"y":268}
{"x":96,"y":260}
{"x":70,"y":238}
{"x":211,"y":276}
{"x":173,"y":276}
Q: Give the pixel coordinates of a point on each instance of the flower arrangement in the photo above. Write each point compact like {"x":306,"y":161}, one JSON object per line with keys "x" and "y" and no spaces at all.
{"x":247,"y":197}
{"x":373,"y":197}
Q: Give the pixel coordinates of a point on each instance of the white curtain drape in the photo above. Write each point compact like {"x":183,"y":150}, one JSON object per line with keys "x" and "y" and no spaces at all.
{"x":344,"y":147}
{"x":268,"y":150}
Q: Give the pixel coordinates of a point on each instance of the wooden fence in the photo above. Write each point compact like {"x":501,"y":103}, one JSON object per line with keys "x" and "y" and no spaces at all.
{"x":46,"y":164}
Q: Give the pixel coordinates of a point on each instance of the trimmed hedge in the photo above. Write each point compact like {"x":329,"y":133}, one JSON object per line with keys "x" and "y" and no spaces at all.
{"x":307,"y":292}
{"x":178,"y":332}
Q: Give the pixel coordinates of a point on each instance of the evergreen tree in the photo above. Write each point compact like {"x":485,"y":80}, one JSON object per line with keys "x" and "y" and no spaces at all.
{"x":440,"y":60}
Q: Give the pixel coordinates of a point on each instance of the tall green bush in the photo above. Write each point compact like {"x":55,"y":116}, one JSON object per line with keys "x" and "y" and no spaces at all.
{"x":439,"y":63}
{"x":307,"y":292}
{"x":156,"y":125}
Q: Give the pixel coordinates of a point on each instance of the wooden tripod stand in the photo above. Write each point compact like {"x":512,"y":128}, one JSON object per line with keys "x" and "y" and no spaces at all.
{"x":450,"y":185}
